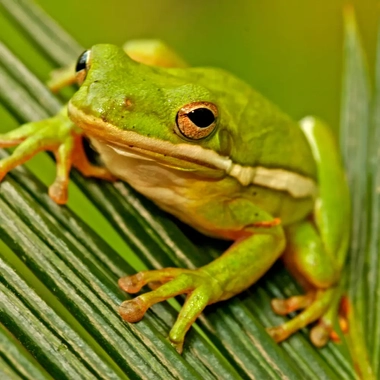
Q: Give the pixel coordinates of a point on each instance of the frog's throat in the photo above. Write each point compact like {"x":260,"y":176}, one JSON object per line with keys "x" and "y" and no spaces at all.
{"x":297,"y":185}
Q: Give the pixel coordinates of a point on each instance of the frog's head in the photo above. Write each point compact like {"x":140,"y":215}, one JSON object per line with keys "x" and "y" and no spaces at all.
{"x":193,"y":119}
{"x":162,"y":110}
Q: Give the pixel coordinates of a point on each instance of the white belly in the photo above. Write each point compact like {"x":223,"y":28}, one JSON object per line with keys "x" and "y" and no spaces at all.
{"x":165,"y":186}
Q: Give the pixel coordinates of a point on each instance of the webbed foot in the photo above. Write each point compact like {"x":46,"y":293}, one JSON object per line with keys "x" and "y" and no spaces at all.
{"x":200,"y":287}
{"x":319,"y":305}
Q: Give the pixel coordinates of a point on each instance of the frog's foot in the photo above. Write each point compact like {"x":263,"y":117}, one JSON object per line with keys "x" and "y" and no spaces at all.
{"x":62,"y":77}
{"x":328,"y":319}
{"x":200,"y":287}
{"x":58,"y":135}
{"x":286,"y":306}
{"x":318,"y":305}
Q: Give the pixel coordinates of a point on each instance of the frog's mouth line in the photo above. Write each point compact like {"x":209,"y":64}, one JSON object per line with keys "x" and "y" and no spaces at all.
{"x":133,"y":141}
{"x":193,"y":156}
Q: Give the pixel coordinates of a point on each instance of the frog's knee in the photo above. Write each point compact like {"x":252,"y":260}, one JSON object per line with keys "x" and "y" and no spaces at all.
{"x":324,"y":278}
{"x":317,"y":270}
{"x":306,"y":256}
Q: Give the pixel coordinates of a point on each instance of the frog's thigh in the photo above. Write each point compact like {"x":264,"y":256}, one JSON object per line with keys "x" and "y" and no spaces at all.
{"x":153,"y":52}
{"x":332,"y":208}
{"x":306,"y":256}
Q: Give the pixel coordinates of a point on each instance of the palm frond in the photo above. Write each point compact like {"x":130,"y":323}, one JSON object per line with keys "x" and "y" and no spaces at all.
{"x":62,"y":306}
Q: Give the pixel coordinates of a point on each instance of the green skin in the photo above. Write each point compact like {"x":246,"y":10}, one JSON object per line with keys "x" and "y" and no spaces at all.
{"x":120,"y":99}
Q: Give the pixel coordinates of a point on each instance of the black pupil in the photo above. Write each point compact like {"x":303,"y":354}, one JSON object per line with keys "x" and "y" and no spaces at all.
{"x":201,"y":117}
{"x":82,"y":62}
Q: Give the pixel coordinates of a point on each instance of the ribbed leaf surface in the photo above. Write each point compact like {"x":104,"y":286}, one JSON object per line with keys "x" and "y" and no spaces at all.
{"x":70,"y":324}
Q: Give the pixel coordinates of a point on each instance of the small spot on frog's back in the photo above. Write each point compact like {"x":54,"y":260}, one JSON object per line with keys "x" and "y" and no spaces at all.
{"x":128,"y":103}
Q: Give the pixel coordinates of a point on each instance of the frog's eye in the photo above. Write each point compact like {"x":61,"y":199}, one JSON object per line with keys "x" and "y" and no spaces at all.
{"x":82,"y":66}
{"x":196,"y":120}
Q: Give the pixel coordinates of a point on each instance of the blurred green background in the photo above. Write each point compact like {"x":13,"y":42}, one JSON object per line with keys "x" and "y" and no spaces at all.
{"x":290,"y":50}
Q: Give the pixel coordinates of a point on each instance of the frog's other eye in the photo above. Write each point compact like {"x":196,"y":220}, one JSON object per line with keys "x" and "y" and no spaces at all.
{"x":196,"y":120}
{"x":82,"y":66}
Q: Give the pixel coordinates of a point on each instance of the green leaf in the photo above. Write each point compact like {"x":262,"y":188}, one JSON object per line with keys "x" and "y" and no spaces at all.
{"x":62,"y":306}
{"x":16,"y":361}
{"x":373,"y":247}
{"x":359,"y":146}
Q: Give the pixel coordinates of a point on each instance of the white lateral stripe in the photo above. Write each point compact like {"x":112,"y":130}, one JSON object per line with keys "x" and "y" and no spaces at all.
{"x":279,"y":179}
{"x":295,"y":184}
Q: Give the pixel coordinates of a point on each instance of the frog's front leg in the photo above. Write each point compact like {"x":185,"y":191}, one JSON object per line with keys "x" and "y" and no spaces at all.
{"x":316,"y":249}
{"x":259,"y":245}
{"x":59,"y":135}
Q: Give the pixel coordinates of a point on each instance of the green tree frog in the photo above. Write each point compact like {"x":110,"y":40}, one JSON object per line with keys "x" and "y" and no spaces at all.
{"x":207,"y":148}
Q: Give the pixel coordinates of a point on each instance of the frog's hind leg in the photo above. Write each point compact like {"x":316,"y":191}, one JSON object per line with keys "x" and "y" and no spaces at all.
{"x":316,"y":249}
{"x":323,"y":308}
{"x":311,"y":264}
{"x":154,"y":53}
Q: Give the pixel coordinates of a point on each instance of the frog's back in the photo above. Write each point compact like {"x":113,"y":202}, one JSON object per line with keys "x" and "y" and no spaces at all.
{"x":253,"y":131}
